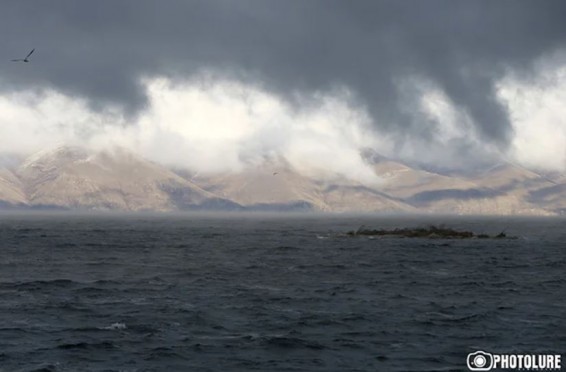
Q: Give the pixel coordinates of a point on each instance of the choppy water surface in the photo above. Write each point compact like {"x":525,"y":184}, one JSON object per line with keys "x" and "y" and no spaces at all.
{"x":243,"y":293}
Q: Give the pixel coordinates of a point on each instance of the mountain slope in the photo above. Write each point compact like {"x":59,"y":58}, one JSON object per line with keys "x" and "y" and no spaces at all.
{"x":72,"y":177}
{"x":271,"y":183}
{"x":11,"y":190}
{"x":275,"y":183}
{"x":355,"y":197}
{"x":501,"y":190}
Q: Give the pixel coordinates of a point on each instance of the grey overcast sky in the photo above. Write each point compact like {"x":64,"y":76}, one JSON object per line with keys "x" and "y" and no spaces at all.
{"x":100,"y":49}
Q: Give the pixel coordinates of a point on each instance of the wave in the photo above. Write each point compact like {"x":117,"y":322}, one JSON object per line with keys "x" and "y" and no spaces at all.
{"x":282,"y":342}
{"x":39,"y":284}
{"x":104,"y":345}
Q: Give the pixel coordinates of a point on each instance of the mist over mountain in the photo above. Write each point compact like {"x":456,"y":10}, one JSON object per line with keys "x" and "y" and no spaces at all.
{"x":215,"y":86}
{"x":75,"y":178}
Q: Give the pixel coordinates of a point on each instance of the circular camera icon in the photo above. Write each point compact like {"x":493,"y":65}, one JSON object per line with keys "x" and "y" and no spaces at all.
{"x":479,"y":361}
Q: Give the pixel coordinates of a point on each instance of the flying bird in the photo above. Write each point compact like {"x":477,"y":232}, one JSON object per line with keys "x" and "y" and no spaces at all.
{"x":274,"y":173}
{"x":25,"y":59}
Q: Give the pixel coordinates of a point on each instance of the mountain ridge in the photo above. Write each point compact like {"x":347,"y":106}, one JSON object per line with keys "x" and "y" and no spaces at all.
{"x":75,"y":178}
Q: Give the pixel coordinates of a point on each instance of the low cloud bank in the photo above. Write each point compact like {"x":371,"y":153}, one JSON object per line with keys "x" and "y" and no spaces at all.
{"x":216,"y":125}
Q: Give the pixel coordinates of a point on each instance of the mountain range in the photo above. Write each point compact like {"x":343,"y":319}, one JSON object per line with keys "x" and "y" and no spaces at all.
{"x":79,"y":179}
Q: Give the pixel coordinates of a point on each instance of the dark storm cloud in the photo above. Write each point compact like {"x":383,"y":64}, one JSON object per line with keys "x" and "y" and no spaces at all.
{"x":100,"y":49}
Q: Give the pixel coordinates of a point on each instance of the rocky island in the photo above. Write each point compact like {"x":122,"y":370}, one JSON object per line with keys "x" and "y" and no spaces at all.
{"x":431,"y":232}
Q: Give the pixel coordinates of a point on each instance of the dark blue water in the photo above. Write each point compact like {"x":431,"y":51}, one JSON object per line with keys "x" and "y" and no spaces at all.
{"x":244,"y":293}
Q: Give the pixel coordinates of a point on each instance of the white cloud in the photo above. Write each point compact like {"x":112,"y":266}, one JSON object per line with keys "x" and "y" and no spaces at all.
{"x":537,"y":111}
{"x":216,"y":127}
{"x":31,"y":121}
{"x":442,"y":134}
{"x":225,"y":126}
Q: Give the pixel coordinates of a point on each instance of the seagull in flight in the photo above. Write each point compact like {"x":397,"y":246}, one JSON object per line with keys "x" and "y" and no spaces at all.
{"x":25,"y":59}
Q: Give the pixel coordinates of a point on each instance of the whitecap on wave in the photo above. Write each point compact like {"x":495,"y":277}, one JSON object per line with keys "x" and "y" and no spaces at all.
{"x":116,"y":326}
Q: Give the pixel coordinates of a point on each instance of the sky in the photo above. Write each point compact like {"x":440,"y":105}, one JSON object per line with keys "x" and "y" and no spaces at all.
{"x":219,"y":85}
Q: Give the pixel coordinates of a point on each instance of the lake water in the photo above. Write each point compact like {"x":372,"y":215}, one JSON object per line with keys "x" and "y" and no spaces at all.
{"x":267,"y":293}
